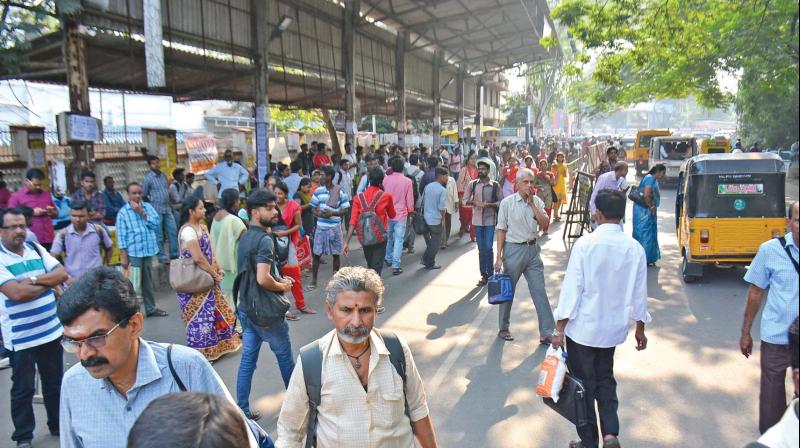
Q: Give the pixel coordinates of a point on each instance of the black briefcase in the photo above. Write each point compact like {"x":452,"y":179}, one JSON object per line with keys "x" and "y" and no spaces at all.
{"x":571,"y":401}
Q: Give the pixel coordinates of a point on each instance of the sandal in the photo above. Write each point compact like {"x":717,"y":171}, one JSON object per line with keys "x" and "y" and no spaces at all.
{"x":482,"y":282}
{"x":613,"y":442}
{"x":575,"y":444}
{"x":397,"y":271}
{"x":307,"y":310}
{"x":505,"y":335}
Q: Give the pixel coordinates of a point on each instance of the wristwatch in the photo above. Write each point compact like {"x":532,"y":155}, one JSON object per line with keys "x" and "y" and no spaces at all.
{"x":34,"y":279}
{"x":556,"y":333}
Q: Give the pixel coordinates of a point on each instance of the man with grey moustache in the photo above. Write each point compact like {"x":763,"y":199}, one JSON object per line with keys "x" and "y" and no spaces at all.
{"x":357,"y":386}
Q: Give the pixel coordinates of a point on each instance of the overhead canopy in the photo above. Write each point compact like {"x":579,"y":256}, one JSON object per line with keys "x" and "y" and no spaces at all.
{"x":208,"y":51}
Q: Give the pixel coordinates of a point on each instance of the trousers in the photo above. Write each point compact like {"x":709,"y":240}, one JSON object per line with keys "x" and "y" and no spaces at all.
{"x":523,"y":259}
{"x":433,"y":242}
{"x":772,"y":396}
{"x":375,"y":255}
{"x":595,"y":368}
{"x":485,"y":239}
{"x":394,"y":241}
{"x":145,"y":265}
{"x":48,"y":358}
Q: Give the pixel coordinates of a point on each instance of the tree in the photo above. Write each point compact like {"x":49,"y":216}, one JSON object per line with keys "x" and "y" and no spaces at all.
{"x":516,"y":110}
{"x":23,"y":20}
{"x":653,"y":49}
{"x":544,"y":82}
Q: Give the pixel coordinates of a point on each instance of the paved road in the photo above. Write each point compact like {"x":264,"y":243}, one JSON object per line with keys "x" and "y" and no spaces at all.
{"x":691,"y":387}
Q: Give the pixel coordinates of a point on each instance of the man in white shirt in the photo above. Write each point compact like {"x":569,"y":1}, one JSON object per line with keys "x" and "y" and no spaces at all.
{"x":362,"y":399}
{"x":604,"y":289}
{"x":227,"y":174}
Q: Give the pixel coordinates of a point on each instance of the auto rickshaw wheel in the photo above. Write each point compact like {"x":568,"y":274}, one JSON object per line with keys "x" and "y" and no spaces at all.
{"x":687,"y":278}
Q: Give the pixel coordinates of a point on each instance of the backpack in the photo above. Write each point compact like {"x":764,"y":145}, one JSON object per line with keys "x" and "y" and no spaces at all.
{"x":370,"y":228}
{"x":264,"y":308}
{"x":311,"y":357}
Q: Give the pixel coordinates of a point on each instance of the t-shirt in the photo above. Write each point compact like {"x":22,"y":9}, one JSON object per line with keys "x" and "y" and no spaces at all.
{"x":434,"y":201}
{"x":32,"y":323}
{"x":319,"y":201}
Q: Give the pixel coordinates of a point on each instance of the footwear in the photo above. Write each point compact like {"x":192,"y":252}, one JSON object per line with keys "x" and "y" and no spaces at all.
{"x":5,"y":363}
{"x":576,"y":444}
{"x":432,"y":267}
{"x":397,"y":271}
{"x":410,"y":251}
{"x":505,"y":335}
{"x":311,"y":287}
{"x":56,"y":433}
{"x":611,"y":441}
{"x":482,"y":282}
{"x":381,"y":310}
{"x":157,"y":313}
{"x":307,"y":310}
{"x":253,"y":415}
{"x":387,"y":263}
{"x":472,"y":240}
{"x":291,"y":316}
{"x":24,"y":444}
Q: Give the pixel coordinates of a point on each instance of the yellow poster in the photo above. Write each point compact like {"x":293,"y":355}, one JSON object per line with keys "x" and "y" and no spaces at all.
{"x":168,"y":150}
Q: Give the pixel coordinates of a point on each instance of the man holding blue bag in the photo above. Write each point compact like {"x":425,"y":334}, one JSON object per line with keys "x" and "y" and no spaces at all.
{"x":518,"y":252}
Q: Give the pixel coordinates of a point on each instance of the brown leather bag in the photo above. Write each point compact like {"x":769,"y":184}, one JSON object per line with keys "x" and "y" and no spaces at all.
{"x":186,"y":276}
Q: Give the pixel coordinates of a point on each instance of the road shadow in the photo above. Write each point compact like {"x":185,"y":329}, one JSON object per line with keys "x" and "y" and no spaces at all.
{"x":459,"y":313}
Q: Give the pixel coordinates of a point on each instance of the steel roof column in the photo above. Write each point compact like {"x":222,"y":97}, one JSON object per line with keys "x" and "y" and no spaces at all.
{"x":351,"y":10}
{"x":478,"y":112}
{"x":437,"y":101}
{"x":260,"y":38}
{"x":460,"y":102}
{"x":74,"y":51}
{"x":401,"y":45}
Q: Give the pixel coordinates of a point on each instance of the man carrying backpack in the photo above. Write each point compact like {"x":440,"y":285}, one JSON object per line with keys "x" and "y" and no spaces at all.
{"x":82,"y":243}
{"x":383,"y":404}
{"x":262,"y":300}
{"x":372,"y":210}
{"x":483,"y":195}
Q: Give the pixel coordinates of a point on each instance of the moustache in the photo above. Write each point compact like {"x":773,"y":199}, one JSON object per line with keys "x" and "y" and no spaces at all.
{"x":94,"y":362}
{"x":359,"y":331}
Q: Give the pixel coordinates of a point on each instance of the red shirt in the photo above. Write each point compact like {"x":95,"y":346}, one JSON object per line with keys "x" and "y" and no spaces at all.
{"x":384,"y":208}
{"x":321,"y":159}
{"x":41,"y":226}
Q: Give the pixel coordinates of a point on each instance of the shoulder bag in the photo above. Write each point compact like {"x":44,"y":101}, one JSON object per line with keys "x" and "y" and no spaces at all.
{"x":186,"y":276}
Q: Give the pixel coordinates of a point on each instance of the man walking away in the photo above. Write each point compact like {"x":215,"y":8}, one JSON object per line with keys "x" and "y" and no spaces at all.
{"x":775,"y":266}
{"x":518,"y":252}
{"x":154,"y":191}
{"x":605,"y":288}
{"x":28,"y":275}
{"x":260,"y":280}
{"x":434,"y":202}
{"x":380,"y":203}
{"x":483,"y":195}
{"x":137,"y":238}
{"x":402,"y":190}
{"x":369,"y":392}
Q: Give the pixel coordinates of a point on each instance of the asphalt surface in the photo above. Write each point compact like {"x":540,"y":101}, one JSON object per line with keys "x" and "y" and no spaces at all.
{"x":690,"y":388}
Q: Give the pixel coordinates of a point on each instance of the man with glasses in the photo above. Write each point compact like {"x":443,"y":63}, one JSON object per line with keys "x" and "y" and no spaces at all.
{"x":118,"y":373}
{"x":31,"y":331}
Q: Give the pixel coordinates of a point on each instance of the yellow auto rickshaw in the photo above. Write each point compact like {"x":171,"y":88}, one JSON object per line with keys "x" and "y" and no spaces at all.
{"x":641,"y":148}
{"x":716,"y":145}
{"x":726,"y":206}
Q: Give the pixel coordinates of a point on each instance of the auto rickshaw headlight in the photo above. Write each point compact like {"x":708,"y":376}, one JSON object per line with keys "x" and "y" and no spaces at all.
{"x":704,"y":236}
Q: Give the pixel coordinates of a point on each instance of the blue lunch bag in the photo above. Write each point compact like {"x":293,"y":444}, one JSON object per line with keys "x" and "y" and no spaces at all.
{"x":501,"y":289}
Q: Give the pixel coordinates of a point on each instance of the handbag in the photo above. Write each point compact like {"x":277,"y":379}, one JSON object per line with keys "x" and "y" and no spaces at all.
{"x":636,"y":195}
{"x":187,"y":277}
{"x":501,"y":288}
{"x":571,"y":401}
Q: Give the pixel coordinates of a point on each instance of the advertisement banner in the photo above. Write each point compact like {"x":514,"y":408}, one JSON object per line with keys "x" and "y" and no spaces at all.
{"x":201,"y":150}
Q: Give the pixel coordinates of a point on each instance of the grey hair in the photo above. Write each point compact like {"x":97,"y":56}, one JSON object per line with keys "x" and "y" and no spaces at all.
{"x":355,"y":278}
{"x":524,"y":172}
{"x":620,"y":165}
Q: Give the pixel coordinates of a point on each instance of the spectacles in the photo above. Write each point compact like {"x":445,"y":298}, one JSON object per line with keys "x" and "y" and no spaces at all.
{"x":15,"y":227}
{"x":95,"y":342}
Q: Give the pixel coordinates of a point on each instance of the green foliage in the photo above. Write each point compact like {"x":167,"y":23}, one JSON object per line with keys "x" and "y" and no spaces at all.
{"x":296,"y":119}
{"x":643,"y":50}
{"x":516,"y":110}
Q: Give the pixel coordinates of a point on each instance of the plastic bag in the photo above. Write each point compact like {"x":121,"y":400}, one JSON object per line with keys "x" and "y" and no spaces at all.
{"x":551,"y":375}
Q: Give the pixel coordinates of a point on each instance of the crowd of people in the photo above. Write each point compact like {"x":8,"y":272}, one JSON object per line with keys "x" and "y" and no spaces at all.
{"x":259,"y":245}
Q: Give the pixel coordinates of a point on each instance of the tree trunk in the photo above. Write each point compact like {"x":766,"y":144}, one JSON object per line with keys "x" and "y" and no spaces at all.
{"x":326,"y":117}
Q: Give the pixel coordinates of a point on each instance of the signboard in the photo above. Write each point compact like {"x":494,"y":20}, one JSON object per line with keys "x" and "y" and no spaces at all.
{"x":78,"y":128}
{"x":202,"y":153}
{"x":168,"y":151}
{"x":262,"y":150}
{"x":740,"y":189}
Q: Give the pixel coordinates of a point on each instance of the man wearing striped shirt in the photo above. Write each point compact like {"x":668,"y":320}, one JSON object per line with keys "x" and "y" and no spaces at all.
{"x":30,"y":326}
{"x":329,"y":203}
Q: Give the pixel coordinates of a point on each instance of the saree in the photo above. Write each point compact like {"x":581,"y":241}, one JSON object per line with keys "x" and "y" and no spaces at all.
{"x":645,"y":229}
{"x":208,"y":317}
